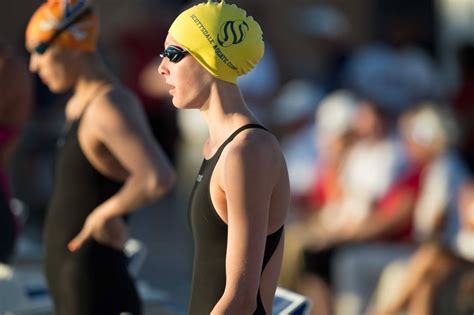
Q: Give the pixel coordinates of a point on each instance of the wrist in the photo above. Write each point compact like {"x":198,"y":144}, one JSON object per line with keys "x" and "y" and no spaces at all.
{"x":104,"y":213}
{"x":107,"y":210}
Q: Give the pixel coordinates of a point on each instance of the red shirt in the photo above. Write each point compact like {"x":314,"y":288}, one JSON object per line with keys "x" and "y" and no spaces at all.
{"x":408,"y":183}
{"x":327,"y":187}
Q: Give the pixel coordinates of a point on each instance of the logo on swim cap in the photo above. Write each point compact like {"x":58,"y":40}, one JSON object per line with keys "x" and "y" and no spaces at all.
{"x":232,"y":33}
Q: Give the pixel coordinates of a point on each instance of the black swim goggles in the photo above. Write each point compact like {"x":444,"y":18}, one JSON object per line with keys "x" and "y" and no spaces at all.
{"x":174,"y":53}
{"x":43,"y":46}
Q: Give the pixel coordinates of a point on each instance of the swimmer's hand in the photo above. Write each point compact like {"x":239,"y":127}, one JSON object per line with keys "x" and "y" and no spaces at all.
{"x":111,"y":232}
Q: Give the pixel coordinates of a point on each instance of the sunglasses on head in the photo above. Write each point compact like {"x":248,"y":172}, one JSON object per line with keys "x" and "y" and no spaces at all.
{"x":43,"y":46}
{"x":174,"y":53}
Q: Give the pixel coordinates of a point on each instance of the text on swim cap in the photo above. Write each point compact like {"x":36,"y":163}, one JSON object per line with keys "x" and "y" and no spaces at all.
{"x":211,"y":40}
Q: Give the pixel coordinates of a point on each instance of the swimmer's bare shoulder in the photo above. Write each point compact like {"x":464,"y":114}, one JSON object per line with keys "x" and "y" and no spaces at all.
{"x":115,"y":106}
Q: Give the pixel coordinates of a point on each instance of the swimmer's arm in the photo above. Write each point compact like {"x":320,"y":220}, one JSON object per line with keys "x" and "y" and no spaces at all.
{"x":122,"y":128}
{"x":248,"y":180}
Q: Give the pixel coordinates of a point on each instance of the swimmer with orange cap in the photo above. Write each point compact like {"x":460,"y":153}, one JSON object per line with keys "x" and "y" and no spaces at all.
{"x":108,"y":165}
{"x":241,"y":194}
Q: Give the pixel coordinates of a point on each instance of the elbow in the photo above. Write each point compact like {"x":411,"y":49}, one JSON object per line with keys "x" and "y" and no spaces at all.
{"x":170,"y":181}
{"x":249,"y":307}
{"x":246,"y":305}
{"x":158,"y":184}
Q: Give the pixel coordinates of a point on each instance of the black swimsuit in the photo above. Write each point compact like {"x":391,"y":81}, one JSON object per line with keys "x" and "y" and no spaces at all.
{"x":94,"y":280}
{"x":210,"y":241}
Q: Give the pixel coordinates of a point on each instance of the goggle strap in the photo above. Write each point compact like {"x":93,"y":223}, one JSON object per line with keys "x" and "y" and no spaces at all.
{"x":41,"y":48}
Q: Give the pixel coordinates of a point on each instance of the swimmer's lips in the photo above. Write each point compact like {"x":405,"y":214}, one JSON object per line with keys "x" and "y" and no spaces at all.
{"x":171,"y":88}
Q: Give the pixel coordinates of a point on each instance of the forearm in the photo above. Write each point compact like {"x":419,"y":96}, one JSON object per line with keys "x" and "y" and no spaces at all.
{"x":240,"y":293}
{"x":230,"y":304}
{"x":242,"y":281}
{"x":138,"y":191}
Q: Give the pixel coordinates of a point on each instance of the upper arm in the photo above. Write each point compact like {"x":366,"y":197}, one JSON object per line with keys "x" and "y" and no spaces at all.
{"x":121,"y":126}
{"x":248,"y":181}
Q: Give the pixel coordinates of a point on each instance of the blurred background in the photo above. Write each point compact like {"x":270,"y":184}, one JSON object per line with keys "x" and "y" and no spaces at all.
{"x":373,"y":103}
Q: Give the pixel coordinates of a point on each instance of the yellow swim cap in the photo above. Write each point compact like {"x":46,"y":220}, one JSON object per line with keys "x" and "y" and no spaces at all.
{"x":52,"y":14}
{"x":222,"y":38}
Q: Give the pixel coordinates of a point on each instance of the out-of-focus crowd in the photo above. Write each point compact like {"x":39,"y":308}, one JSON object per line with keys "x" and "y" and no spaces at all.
{"x":383,"y":218}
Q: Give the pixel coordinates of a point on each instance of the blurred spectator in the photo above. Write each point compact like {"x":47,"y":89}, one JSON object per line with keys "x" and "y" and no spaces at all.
{"x":15,"y":88}
{"x":359,"y":188}
{"x":333,"y":138}
{"x":438,"y":278}
{"x":391,"y":224}
{"x":374,"y":149}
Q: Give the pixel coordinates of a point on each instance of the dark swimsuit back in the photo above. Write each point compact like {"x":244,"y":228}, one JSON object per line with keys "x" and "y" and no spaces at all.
{"x":210,"y":240}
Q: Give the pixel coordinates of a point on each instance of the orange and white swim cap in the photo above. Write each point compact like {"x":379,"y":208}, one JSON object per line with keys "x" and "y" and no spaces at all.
{"x":57,"y":15}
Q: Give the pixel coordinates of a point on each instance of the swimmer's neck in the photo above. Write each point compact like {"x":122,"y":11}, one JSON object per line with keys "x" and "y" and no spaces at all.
{"x":225,"y":111}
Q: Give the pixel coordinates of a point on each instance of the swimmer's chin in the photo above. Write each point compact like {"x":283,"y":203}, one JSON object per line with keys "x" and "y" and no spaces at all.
{"x":55,"y":88}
